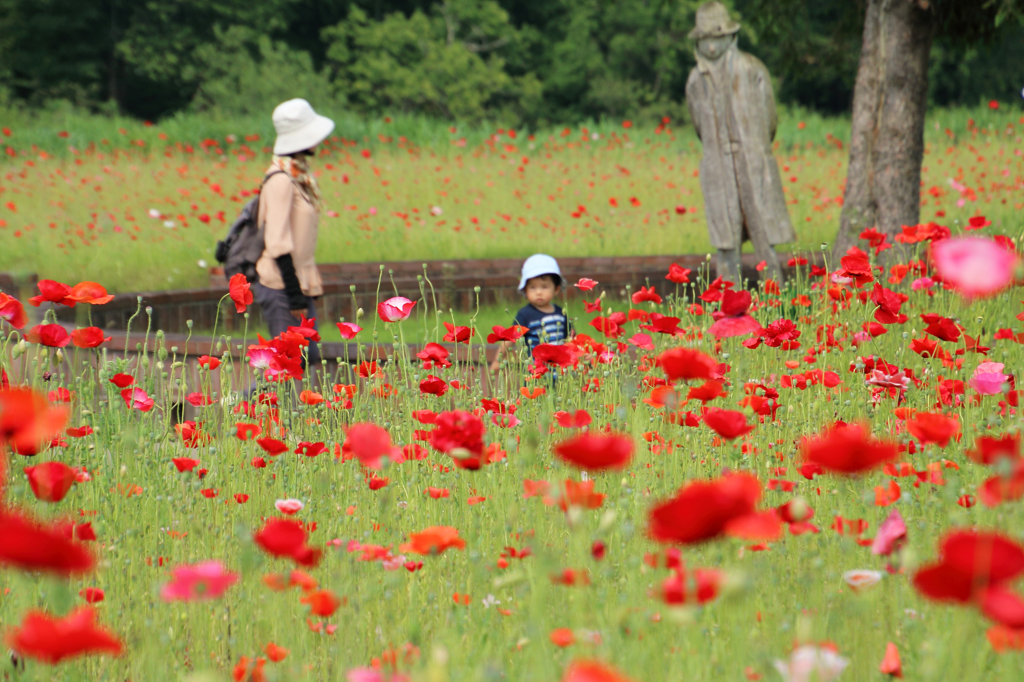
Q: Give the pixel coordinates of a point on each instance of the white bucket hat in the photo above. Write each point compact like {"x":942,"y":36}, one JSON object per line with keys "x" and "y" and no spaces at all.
{"x":537,"y":265}
{"x":299,"y":127}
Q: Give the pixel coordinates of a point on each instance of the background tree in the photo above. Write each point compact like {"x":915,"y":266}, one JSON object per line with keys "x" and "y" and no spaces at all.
{"x":890,"y":99}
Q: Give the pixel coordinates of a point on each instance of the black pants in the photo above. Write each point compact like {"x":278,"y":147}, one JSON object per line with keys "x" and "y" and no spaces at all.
{"x":278,"y":315}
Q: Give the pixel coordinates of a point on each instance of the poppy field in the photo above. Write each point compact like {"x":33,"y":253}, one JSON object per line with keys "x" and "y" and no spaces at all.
{"x":814,"y":479}
{"x":140,"y":208}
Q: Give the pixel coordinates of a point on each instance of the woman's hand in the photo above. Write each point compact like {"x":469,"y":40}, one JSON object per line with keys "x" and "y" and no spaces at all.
{"x":298,"y":314}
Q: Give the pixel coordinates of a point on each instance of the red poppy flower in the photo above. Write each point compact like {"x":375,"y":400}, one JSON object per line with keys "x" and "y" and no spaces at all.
{"x":275,"y":653}
{"x":932,"y":427}
{"x":731,"y":319}
{"x":92,"y":595}
{"x":780,"y":333}
{"x":286,"y":538}
{"x":32,"y":546}
{"x":562,"y":356}
{"x":369,"y":444}
{"x":12,"y":311}
{"x":686,"y":364}
{"x":185,"y":463}
{"x":238,"y":290}
{"x":433,"y":385}
{"x":458,"y":334}
{"x":941,"y":328}
{"x":50,"y":481}
{"x":321,"y":602}
{"x":586,"y":284}
{"x":245,"y":431}
{"x":857,"y":267}
{"x":706,"y":392}
{"x":1004,"y":487}
{"x":678,"y":274}
{"x":990,"y":450}
{"x":122,"y":380}
{"x":433,"y":540}
{"x":970,"y":563}
{"x":272,"y":446}
{"x":459,"y":435}
{"x":310,"y":449}
{"x":729,"y":424}
{"x":646,"y":295}
{"x":568,"y":493}
{"x":192,"y":435}
{"x":596,"y":452}
{"x":694,"y":587}
{"x":26,"y":420}
{"x":434,"y":353}
{"x":704,"y":510}
{"x":577,"y":420}
{"x":512,"y":334}
{"x":310,"y":398}
{"x":889,"y":304}
{"x":52,"y":292}
{"x":207,"y":362}
{"x":52,"y":335}
{"x":662,"y":324}
{"x":51,"y":640}
{"x":90,"y":292}
{"x":847,"y":449}
{"x":88,"y":337}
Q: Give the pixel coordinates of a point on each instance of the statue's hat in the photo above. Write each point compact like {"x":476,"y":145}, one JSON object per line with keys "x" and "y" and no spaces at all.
{"x":713,"y":21}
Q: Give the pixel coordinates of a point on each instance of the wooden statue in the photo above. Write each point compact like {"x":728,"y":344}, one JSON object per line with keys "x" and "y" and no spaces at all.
{"x":732,"y":106}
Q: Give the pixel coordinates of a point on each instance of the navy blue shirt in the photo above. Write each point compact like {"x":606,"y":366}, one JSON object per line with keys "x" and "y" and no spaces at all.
{"x":543,"y":327}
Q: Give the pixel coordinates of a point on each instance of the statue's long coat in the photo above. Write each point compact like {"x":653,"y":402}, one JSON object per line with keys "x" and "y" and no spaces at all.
{"x":738,"y":173}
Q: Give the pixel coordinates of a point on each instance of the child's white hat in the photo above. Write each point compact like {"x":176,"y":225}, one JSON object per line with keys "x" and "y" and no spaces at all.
{"x":537,"y":265}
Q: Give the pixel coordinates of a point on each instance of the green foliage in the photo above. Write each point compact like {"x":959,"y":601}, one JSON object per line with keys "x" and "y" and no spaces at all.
{"x":446,"y":64}
{"x":533,"y":62}
{"x":247,"y":73}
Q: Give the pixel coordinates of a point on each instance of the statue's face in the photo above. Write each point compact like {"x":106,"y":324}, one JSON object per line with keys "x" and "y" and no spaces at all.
{"x":713,"y":48}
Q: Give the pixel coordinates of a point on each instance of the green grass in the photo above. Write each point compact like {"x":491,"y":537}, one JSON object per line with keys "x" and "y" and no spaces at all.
{"x":791,"y":593}
{"x":85,"y":216}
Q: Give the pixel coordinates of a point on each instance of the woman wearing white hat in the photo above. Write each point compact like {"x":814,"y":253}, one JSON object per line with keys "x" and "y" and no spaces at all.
{"x":289,"y":211}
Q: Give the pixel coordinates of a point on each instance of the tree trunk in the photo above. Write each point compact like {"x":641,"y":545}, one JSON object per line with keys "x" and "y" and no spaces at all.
{"x":883,"y":183}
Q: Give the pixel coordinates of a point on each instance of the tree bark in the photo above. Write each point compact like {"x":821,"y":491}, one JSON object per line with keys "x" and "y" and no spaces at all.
{"x":883,"y":183}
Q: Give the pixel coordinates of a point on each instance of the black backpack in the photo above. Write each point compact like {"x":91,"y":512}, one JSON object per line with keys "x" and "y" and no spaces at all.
{"x":243,"y":246}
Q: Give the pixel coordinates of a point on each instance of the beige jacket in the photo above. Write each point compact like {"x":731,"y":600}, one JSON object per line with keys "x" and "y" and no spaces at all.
{"x":289,"y":226}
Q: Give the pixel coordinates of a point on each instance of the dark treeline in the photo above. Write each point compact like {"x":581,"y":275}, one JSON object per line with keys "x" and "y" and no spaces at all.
{"x":532,"y":61}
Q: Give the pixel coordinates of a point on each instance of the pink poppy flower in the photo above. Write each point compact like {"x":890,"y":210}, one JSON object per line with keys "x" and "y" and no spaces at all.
{"x":809,"y":662}
{"x":879,"y":378}
{"x":395,"y":309}
{"x":137,"y":399}
{"x":732,"y":318}
{"x":289,"y":506}
{"x":642,"y":341}
{"x":976,"y":266}
{"x":260,"y":357}
{"x":988,"y":378}
{"x":199,"y":582}
{"x":891,"y":535}
{"x":922,"y":283}
{"x":861,"y":579}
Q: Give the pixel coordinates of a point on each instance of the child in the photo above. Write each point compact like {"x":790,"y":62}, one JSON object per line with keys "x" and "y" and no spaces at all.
{"x":545,"y":322}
